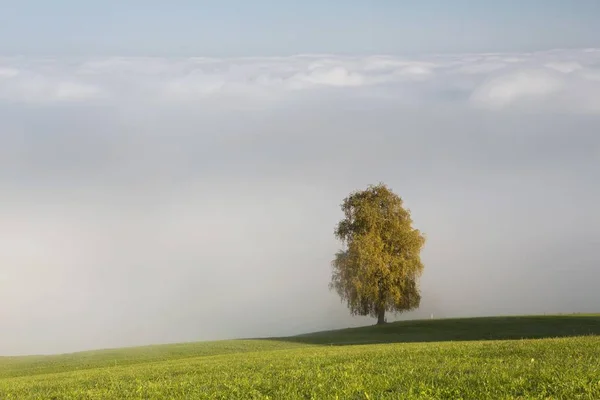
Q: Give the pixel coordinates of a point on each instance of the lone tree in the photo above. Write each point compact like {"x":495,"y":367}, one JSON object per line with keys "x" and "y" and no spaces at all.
{"x":378,"y":268}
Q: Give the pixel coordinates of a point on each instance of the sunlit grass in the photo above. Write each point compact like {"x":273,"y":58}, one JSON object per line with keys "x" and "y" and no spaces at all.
{"x":301,"y":368}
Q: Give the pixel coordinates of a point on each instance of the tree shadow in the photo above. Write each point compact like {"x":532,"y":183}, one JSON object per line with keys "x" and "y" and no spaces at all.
{"x":463,"y":329}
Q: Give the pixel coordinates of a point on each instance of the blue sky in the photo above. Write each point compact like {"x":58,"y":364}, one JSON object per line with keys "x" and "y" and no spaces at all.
{"x":283,"y":27}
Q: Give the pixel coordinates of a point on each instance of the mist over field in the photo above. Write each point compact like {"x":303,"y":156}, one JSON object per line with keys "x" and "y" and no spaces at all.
{"x":150,"y":200}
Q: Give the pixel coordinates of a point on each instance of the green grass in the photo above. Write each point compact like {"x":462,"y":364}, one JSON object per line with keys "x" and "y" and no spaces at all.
{"x":461,"y":329}
{"x":37,"y":365}
{"x":482,"y":358}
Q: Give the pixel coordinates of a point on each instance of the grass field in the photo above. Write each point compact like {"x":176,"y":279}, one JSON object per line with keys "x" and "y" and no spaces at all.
{"x":550,"y":357}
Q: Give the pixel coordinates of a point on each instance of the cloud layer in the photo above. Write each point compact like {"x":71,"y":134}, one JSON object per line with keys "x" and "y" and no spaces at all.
{"x":153,"y":200}
{"x":566,"y":79}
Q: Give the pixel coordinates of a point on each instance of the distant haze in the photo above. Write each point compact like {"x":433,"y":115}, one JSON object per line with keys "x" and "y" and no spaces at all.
{"x":151,"y":200}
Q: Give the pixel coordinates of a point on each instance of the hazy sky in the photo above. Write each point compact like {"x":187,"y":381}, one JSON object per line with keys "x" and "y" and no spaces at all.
{"x":287,"y":27}
{"x":164,"y":199}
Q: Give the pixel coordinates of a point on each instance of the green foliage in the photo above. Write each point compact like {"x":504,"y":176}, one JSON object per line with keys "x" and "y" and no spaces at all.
{"x":565,"y":368}
{"x":379,"y":267}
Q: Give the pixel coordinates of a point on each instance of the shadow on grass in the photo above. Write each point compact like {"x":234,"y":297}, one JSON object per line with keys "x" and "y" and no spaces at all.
{"x":464,"y":329}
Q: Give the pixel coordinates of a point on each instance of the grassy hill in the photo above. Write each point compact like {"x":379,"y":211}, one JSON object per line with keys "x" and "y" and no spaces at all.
{"x":478,"y":358}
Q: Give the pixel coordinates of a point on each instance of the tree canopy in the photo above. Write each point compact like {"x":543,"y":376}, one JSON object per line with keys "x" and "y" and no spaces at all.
{"x":378,"y":268}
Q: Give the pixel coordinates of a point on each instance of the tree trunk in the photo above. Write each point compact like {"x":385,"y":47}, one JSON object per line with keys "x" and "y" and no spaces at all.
{"x":381,"y":316}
